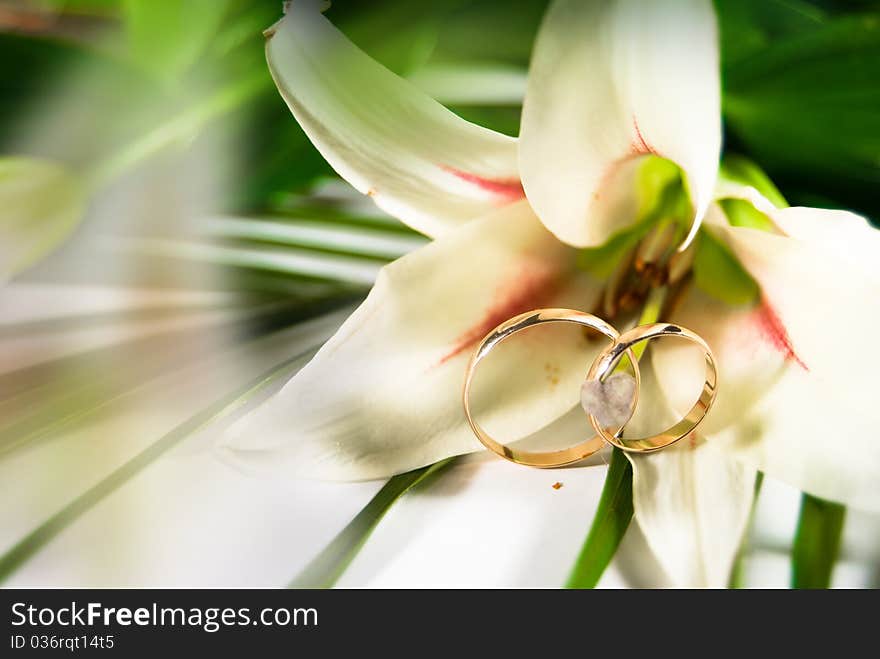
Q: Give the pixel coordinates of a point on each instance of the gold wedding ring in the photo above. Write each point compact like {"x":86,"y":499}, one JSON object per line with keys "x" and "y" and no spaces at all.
{"x":507,"y":329}
{"x":603,"y":365}
{"x":607,"y":360}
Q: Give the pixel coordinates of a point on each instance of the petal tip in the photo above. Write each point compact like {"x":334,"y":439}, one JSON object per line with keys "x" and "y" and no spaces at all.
{"x":270,"y":31}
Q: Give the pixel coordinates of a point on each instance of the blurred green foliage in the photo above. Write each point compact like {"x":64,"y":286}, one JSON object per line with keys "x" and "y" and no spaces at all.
{"x":801,"y":97}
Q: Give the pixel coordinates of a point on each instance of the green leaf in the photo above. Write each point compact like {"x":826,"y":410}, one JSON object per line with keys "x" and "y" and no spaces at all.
{"x":748,"y":26}
{"x":610,"y":523}
{"x":25,"y":548}
{"x":741,"y":213}
{"x":489,"y":31}
{"x":807,"y":107}
{"x":816,"y":542}
{"x":40,"y":204}
{"x":742,"y":170}
{"x":718,"y":272}
{"x":328,"y":566}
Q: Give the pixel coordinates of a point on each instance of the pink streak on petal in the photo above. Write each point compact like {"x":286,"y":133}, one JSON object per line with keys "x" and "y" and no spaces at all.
{"x":507,"y":189}
{"x":640,"y":144}
{"x":639,"y":147}
{"x":774,"y":332}
{"x":530,"y":289}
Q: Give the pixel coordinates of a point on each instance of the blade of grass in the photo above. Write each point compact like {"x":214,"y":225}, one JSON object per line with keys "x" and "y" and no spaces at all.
{"x":28,"y":546}
{"x":612,"y":518}
{"x":816,"y":542}
{"x":325,"y":569}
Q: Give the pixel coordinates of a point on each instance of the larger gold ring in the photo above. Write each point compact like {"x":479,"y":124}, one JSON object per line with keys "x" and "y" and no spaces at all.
{"x":608,"y":359}
{"x":522,"y":322}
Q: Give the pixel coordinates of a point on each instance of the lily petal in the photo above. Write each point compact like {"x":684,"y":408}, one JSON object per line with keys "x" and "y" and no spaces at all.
{"x":415,"y":158}
{"x":796,"y":394}
{"x":610,"y":81}
{"x":691,"y":501}
{"x":384,"y":394}
{"x":846,"y":235}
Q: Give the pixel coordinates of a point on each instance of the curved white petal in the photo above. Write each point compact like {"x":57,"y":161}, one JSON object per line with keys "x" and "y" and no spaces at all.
{"x":416,"y":159}
{"x":797,"y":394}
{"x":383,"y":395}
{"x":691,"y":501}
{"x":841,"y":235}
{"x":849,"y":236}
{"x":612,"y":80}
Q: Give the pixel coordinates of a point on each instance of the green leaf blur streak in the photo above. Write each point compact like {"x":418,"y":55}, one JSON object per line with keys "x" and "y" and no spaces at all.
{"x":41,"y":203}
{"x":816,"y":542}
{"x":25,"y":548}
{"x":178,"y":128}
{"x":71,"y":389}
{"x":328,"y":566}
{"x":610,"y":523}
{"x":737,"y":574}
{"x":186,"y":30}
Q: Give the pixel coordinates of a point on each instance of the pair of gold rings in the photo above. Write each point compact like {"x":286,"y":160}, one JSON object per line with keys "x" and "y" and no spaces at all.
{"x":603,"y":365}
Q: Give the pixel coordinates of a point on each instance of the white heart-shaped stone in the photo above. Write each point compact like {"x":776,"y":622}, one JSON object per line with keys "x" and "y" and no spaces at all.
{"x":609,"y":401}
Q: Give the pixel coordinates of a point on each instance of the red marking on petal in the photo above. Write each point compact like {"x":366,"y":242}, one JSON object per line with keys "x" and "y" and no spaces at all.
{"x":639,"y":147}
{"x":508,"y":189}
{"x":774,"y":332}
{"x":530,"y":289}
{"x":640,"y":144}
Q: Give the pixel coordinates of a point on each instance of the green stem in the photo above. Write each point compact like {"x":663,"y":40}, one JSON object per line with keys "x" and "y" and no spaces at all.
{"x":329,"y":565}
{"x":816,"y":542}
{"x":610,"y":523}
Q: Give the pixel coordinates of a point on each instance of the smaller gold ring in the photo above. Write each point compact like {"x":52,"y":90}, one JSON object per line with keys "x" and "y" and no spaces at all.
{"x":507,"y":329}
{"x":608,"y":359}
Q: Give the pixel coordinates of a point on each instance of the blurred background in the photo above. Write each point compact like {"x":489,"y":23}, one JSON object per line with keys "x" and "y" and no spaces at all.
{"x":172,"y":249}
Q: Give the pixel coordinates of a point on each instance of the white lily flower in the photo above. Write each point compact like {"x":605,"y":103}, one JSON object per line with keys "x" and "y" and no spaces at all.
{"x":611,"y":83}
